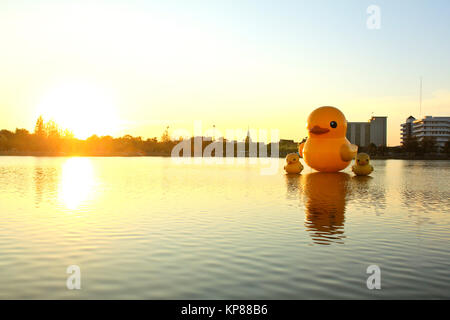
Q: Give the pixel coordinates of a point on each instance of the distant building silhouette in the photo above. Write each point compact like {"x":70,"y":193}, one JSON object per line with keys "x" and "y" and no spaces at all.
{"x":364,"y":133}
{"x":248,"y":138}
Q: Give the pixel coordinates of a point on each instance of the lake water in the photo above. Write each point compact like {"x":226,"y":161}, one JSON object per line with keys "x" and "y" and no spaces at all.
{"x":149,"y":228}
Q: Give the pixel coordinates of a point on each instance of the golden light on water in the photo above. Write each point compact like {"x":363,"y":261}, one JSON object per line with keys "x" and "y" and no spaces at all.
{"x":77,"y":182}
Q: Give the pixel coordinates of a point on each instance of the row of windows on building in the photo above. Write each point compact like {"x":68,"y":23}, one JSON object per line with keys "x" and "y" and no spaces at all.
{"x":434,"y":132}
{"x":429,"y":126}
{"x":364,"y":133}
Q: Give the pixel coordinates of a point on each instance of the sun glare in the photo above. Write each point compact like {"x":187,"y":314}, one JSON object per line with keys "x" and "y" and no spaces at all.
{"x":83,"y":109}
{"x":77,"y":182}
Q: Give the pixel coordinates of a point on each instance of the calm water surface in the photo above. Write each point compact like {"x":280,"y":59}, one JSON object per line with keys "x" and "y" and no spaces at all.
{"x":149,"y":228}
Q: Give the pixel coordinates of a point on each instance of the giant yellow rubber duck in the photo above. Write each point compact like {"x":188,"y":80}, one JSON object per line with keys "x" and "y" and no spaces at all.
{"x":327,"y":149}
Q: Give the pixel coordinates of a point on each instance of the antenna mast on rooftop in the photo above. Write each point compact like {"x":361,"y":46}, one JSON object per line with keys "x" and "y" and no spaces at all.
{"x":420,"y":100}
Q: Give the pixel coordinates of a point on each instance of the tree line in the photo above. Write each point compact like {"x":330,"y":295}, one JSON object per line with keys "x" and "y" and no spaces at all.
{"x":426,"y":145}
{"x":412,"y":146}
{"x":49,"y":138}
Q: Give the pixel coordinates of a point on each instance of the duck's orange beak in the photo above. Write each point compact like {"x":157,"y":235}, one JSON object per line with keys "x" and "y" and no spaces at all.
{"x":362,"y":162}
{"x":318,"y":130}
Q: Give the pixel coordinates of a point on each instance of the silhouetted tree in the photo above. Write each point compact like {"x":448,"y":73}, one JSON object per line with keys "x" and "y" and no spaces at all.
{"x":372,"y":149}
{"x":411,"y":144}
{"x":165,"y":136}
{"x":5,"y":140}
{"x":39,"y":129}
{"x":68,"y":134}
{"x":447,"y":147}
{"x":381,"y":150}
{"x":428,"y":144}
{"x":21,"y":139}
{"x":52,"y":129}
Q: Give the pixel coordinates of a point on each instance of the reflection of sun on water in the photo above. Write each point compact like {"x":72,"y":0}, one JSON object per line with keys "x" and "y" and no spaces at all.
{"x":77,"y":182}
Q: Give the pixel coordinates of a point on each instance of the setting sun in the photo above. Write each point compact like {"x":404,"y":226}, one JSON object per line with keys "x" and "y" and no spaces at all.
{"x":81,"y":108}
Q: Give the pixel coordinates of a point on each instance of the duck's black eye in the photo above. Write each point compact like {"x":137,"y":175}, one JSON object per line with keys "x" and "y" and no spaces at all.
{"x":333,"y":124}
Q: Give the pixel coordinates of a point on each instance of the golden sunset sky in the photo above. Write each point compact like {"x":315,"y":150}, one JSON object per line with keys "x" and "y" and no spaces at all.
{"x":134,"y":67}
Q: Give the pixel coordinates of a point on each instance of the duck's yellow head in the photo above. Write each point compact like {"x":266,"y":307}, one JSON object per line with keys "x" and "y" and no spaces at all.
{"x":327,"y":122}
{"x":362,"y":159}
{"x":292,"y":158}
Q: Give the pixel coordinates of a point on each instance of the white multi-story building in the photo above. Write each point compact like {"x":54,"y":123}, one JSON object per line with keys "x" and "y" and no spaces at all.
{"x":434,"y":127}
{"x":406,"y":129}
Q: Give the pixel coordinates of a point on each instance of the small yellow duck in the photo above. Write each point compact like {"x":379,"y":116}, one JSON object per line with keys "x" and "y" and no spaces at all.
{"x":362,"y":166}
{"x":293,"y":163}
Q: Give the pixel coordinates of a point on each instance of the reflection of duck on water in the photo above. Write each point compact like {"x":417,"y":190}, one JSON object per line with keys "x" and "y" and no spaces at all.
{"x":293,"y":186}
{"x":361,"y":181}
{"x":368,"y":194}
{"x":325,"y":199}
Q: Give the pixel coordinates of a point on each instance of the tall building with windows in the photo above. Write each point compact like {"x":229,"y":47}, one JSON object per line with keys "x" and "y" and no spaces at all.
{"x":437,"y":128}
{"x":359,"y":133}
{"x":378,"y":131}
{"x":365,"y":133}
{"x":406,"y":129}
